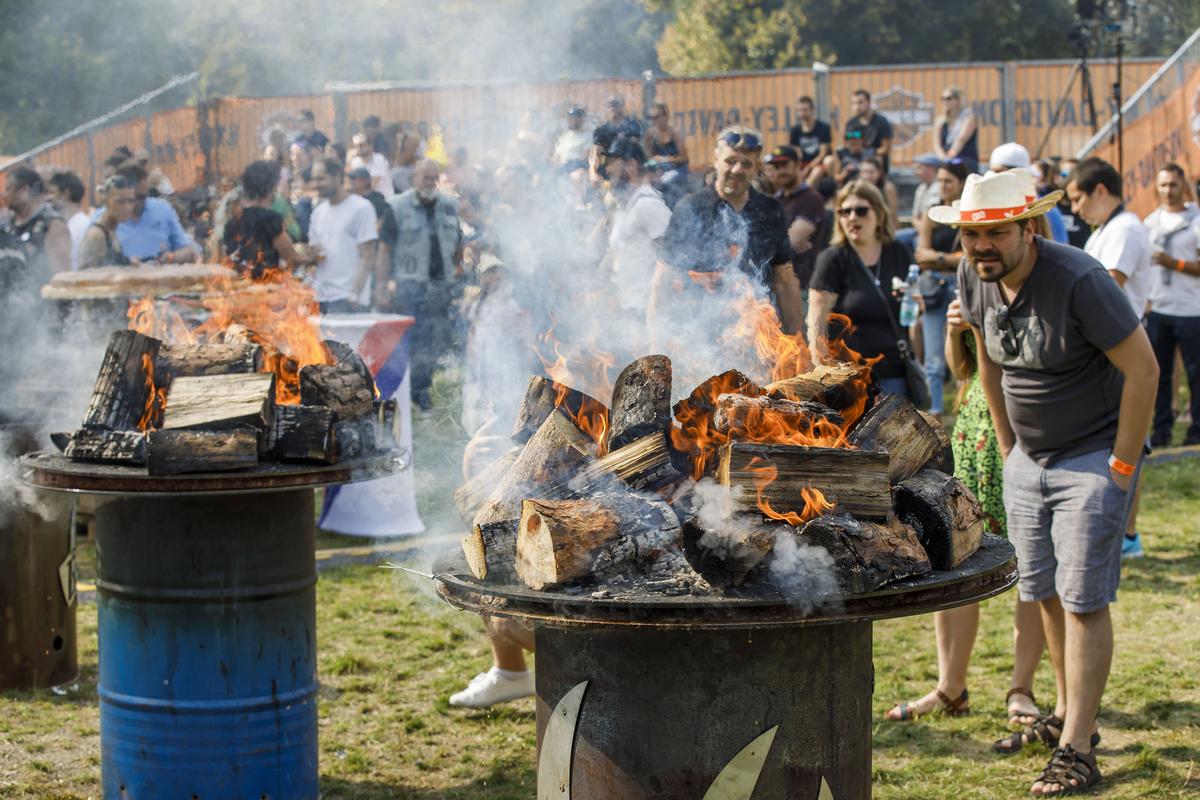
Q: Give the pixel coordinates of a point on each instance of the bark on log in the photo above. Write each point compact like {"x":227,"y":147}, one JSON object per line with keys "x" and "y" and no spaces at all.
{"x":724,"y":556}
{"x":839,"y":386}
{"x":554,"y":451}
{"x":107,"y":447}
{"x":352,"y":438}
{"x":472,"y":495}
{"x":341,"y":388}
{"x":196,"y":360}
{"x":174,"y":452}
{"x":124,"y":384}
{"x":642,"y":465}
{"x":541,"y":397}
{"x":221,"y":402}
{"x":943,"y":459}
{"x":741,"y":418}
{"x":948,"y":518}
{"x":302,"y":433}
{"x":895,"y":426}
{"x":641,"y":401}
{"x":702,"y":402}
{"x":345,"y":354}
{"x":867,"y":555}
{"x":856,"y":481}
{"x":491,"y":550}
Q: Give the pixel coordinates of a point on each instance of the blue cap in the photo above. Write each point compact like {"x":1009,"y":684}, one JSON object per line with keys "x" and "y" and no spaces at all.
{"x":928,"y":159}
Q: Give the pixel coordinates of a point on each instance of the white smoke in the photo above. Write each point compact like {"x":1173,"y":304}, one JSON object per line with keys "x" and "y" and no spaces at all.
{"x":803,"y":573}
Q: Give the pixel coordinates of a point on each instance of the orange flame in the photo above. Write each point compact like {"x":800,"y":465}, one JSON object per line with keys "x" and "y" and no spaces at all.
{"x":815,"y":503}
{"x":588,"y":369}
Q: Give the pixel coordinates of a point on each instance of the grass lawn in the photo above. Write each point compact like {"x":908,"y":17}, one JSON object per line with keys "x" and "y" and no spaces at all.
{"x":390,"y":654}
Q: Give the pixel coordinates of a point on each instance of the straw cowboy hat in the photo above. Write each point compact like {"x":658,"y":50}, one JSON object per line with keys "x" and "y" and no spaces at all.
{"x":1028,"y":183}
{"x":992,"y":200}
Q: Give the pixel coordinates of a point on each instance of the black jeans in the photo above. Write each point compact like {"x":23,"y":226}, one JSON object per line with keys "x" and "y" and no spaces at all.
{"x":1165,"y":333}
{"x":432,"y":333}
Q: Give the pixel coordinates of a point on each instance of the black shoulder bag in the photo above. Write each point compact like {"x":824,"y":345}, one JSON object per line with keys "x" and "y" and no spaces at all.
{"x":914,"y":371}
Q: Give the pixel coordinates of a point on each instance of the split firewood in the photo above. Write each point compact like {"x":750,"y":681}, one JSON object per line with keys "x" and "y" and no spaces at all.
{"x":866,"y":555}
{"x":107,"y":447}
{"x":491,"y":550}
{"x":702,"y":402}
{"x":342,"y":388}
{"x":471,"y":496}
{"x":541,"y":397}
{"x":642,"y":465}
{"x":948,"y":518}
{"x":221,"y":402}
{"x":174,"y":452}
{"x":123,"y":387}
{"x":61,"y":439}
{"x":195,"y":360}
{"x":740,"y":417}
{"x":894,"y":425}
{"x":855,"y":481}
{"x":345,"y":354}
{"x":641,"y":401}
{"x":839,"y":386}
{"x":302,"y":433}
{"x":561,"y":540}
{"x":725,"y":555}
{"x":943,"y":459}
{"x":387,"y":424}
{"x":555,"y":450}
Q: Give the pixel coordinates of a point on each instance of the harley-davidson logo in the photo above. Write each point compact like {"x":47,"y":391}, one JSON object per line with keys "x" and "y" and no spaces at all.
{"x":908,"y":112}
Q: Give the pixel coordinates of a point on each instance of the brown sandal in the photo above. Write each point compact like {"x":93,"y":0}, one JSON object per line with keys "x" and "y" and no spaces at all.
{"x":1013,"y":716}
{"x":951,"y":708}
{"x":1067,"y":765}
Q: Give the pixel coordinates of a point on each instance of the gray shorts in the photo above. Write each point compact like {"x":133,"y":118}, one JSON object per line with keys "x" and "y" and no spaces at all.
{"x":1067,"y":523}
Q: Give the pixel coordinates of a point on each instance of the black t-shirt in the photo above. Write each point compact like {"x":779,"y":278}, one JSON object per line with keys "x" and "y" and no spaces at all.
{"x":873,"y":133}
{"x":317,"y":139}
{"x":706,"y":235}
{"x":839,"y":270}
{"x":388,"y":230}
{"x":1078,"y":231}
{"x":809,"y":143}
{"x":250,"y":238}
{"x":806,"y":203}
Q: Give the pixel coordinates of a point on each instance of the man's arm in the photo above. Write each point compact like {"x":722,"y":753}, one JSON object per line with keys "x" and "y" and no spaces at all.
{"x":383,"y":274}
{"x":884,"y":147}
{"x":366,"y":263}
{"x":1134,"y":357}
{"x":787,"y":296}
{"x":58,"y":246}
{"x":91,"y":249}
{"x":989,"y":376}
{"x":819,"y":305}
{"x":178,"y":243}
{"x":1119,"y":277}
{"x":1170,"y":262}
{"x":657,"y":287}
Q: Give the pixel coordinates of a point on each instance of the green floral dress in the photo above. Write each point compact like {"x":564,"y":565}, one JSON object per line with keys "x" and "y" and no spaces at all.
{"x":977,"y":461}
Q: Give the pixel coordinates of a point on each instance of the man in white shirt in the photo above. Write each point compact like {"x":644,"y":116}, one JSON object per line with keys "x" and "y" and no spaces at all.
{"x":65,"y":193}
{"x":343,"y":227}
{"x":1120,"y":242}
{"x":570,"y":149}
{"x":374,"y":163}
{"x":1174,"y":318}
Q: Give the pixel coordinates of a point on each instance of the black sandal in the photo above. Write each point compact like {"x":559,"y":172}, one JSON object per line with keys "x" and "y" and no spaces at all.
{"x":1039,"y":731}
{"x":1067,"y":765}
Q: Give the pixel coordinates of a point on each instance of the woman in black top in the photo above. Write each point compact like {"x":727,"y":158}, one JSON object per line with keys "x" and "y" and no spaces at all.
{"x":100,"y":246}
{"x":666,"y":145}
{"x":255,"y":237}
{"x":863,"y":254}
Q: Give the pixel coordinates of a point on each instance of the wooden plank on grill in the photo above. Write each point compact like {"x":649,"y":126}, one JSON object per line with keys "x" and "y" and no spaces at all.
{"x":123,"y":386}
{"x":867,"y":555}
{"x":302,"y":433}
{"x":221,"y":402}
{"x":107,"y":447}
{"x":342,"y":388}
{"x":840,"y":386}
{"x":176,"y":451}
{"x":491,"y":550}
{"x":541,"y":397}
{"x":195,"y":360}
{"x":947,"y":516}
{"x":893,"y":425}
{"x":856,"y":481}
{"x":641,"y":401}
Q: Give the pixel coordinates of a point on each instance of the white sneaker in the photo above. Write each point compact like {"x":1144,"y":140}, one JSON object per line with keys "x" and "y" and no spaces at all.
{"x":489,"y":688}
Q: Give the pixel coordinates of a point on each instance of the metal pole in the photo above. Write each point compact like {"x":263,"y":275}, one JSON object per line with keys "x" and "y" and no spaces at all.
{"x":1120,"y":111}
{"x":1057,"y":110}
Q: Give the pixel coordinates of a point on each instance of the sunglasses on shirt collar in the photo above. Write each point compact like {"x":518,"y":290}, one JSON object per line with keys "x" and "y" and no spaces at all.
{"x":1008,"y":335}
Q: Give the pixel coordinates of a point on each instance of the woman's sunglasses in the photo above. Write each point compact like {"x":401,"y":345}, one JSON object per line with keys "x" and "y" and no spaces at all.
{"x":858,"y":211}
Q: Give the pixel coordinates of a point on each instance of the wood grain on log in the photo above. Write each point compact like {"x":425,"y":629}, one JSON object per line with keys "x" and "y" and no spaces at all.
{"x":195,"y":360}
{"x":491,"y":550}
{"x":341,"y":388}
{"x":471,"y":496}
{"x":123,"y":385}
{"x":107,"y":447}
{"x":172,"y":452}
{"x":943,"y":458}
{"x":302,"y":433}
{"x":856,"y":481}
{"x":221,"y":402}
{"x":895,"y":426}
{"x":642,"y":465}
{"x":541,"y":397}
{"x":948,"y":518}
{"x":867,"y":555}
{"x":641,"y":401}
{"x":839,"y":386}
{"x":387,"y":424}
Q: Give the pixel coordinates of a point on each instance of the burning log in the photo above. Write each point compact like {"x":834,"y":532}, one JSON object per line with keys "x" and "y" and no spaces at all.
{"x":541,"y":397}
{"x":175,"y":451}
{"x":839,"y":386}
{"x":702,"y":401}
{"x":123,"y":387}
{"x":948,"y":518}
{"x":472,"y":495}
{"x":491,"y":550}
{"x":344,"y":354}
{"x":560,"y":540}
{"x":726,"y":557}
{"x":302,"y":433}
{"x":642,"y":465}
{"x":342,"y":388}
{"x":196,"y":360}
{"x":856,"y":481}
{"x":641,"y":401}
{"x":866,"y":555}
{"x":893,"y":425}
{"x":221,"y":402}
{"x":737,"y":415}
{"x":943,"y":459}
{"x":111,"y":447}
{"x":554,"y":450}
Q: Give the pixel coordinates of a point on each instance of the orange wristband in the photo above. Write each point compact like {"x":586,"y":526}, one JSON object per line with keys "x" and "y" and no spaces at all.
{"x":1182,"y":264}
{"x":1119,"y":465}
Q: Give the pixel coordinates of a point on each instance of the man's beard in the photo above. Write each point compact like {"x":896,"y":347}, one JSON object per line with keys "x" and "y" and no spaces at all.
{"x":991,"y":274}
{"x":427,"y":196}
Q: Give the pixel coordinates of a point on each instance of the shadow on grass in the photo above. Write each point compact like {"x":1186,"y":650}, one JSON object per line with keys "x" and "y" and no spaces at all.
{"x":506,"y":781}
{"x":1153,"y":715}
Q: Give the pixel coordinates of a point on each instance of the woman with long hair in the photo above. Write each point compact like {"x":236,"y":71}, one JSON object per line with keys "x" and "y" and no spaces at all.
{"x":255,"y":237}
{"x":100,"y":246}
{"x":956,"y":135}
{"x":871,"y":171}
{"x":863,"y":257}
{"x":666,"y":145}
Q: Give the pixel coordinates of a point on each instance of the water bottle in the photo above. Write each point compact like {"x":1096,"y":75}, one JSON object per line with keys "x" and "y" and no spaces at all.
{"x":908,"y":305}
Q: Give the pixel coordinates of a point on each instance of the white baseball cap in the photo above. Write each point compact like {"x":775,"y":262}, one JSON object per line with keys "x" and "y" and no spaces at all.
{"x":1010,"y":154}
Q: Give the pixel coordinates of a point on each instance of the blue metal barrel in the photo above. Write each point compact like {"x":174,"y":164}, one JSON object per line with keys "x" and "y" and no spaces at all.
{"x":208,"y":662}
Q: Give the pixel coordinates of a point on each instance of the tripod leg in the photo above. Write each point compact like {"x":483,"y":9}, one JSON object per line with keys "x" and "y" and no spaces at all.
{"x":1062,"y":101}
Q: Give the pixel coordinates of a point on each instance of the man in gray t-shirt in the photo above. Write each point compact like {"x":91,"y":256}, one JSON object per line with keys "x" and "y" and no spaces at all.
{"x":1070,"y":378}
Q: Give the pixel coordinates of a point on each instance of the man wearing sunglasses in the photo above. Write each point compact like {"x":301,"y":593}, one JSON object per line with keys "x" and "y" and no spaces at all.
{"x":1070,"y":378}
{"x":721,"y":232}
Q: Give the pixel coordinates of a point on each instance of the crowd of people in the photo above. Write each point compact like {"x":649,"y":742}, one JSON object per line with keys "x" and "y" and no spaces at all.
{"x":1060,"y":314}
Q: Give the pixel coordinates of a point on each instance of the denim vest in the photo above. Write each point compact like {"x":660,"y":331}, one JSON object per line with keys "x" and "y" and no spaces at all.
{"x":410,"y":256}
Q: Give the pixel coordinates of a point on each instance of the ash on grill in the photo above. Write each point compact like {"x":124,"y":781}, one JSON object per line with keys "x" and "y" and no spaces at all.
{"x":212,"y":408}
{"x":700,"y":498}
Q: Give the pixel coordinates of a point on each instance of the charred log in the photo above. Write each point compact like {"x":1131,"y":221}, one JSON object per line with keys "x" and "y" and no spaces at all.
{"x":197,"y":360}
{"x":867,"y":555}
{"x":221,"y":402}
{"x":641,"y":401}
{"x":387,"y":424}
{"x":541,"y":397}
{"x":839,"y":386}
{"x":341,"y":388}
{"x":738,"y":416}
{"x":107,"y":447}
{"x":642,"y":465}
{"x":123,"y":387}
{"x":948,"y":518}
{"x":174,"y":452}
{"x":491,"y":550}
{"x":344,"y":354}
{"x":302,"y":433}
{"x":895,"y":426}
{"x":725,"y":556}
